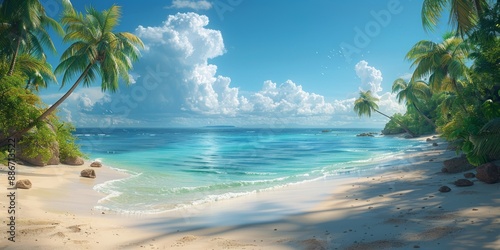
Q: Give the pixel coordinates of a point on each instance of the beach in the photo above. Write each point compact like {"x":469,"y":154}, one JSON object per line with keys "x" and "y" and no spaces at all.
{"x":398,"y":207}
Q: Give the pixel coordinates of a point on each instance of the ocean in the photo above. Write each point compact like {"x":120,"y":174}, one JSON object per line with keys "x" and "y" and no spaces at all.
{"x":172,"y":169}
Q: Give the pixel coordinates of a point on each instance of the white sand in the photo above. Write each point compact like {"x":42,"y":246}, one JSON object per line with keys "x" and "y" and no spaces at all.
{"x":395,"y":208}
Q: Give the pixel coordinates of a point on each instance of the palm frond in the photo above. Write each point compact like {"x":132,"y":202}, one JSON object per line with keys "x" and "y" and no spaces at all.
{"x":431,"y":12}
{"x":487,"y":142}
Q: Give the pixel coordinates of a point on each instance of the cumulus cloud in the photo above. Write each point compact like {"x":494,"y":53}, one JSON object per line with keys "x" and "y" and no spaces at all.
{"x":191,"y":4}
{"x":174,"y":84}
{"x":371,"y":78}
{"x":289,"y":99}
{"x":174,"y":78}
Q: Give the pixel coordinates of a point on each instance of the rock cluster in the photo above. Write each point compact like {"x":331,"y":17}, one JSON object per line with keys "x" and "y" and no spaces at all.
{"x":370,"y":134}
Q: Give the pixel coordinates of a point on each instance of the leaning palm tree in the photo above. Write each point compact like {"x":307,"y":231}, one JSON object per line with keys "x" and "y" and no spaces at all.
{"x":366,"y":103}
{"x":96,"y":51}
{"x":464,"y":14}
{"x":23,"y":29}
{"x":444,"y":63}
{"x":412,"y":92}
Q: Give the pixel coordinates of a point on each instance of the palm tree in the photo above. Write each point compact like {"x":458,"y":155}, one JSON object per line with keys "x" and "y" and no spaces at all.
{"x":412,"y":92}
{"x":38,"y":71}
{"x":464,"y":14}
{"x":23,"y":29}
{"x":366,"y":103}
{"x":96,"y":51}
{"x":443,"y":63}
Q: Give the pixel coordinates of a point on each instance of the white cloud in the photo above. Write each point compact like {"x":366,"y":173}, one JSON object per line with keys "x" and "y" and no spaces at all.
{"x":175,"y":85}
{"x":191,"y":4}
{"x":289,"y":99}
{"x":389,"y":105}
{"x":371,"y":78}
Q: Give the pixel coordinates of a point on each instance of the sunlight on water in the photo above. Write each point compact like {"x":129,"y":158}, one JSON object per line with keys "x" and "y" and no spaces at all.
{"x":175,"y":168}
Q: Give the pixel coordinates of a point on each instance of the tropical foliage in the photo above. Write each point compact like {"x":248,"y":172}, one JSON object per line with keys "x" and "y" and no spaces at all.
{"x":366,"y":103}
{"x":464,"y":14}
{"x":460,"y":96}
{"x":95,"y":52}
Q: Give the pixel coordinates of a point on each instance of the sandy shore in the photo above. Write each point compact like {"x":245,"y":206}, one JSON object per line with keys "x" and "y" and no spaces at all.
{"x":398,"y":207}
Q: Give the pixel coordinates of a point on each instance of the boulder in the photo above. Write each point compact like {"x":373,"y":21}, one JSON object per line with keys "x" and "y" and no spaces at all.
{"x":428,"y":140}
{"x":96,"y":164}
{"x":88,"y":173}
{"x":74,"y":161}
{"x":444,"y":189}
{"x":469,"y":175}
{"x":23,"y":184}
{"x":435,"y":144}
{"x":457,"y":165}
{"x":488,"y":173}
{"x":463,"y":183}
{"x":38,"y":160}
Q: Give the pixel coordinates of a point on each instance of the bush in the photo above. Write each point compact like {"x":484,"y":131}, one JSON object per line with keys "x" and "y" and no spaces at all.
{"x":67,"y":142}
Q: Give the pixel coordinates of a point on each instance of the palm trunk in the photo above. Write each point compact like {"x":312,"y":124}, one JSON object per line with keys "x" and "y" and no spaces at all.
{"x":14,"y":57}
{"x":49,"y":111}
{"x":399,"y":123}
{"x":424,"y":116}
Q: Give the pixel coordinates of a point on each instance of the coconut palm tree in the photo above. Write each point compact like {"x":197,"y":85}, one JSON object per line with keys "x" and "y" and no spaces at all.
{"x":23,"y":29}
{"x":464,"y":14}
{"x":443,"y":63}
{"x":412,"y":93}
{"x":38,"y":71}
{"x":366,"y":103}
{"x":96,"y":51}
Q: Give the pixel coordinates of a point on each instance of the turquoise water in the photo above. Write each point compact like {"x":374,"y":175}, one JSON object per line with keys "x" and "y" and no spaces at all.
{"x":176,"y":168}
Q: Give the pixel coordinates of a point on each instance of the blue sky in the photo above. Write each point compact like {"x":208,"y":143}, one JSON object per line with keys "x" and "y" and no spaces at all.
{"x":252,"y":63}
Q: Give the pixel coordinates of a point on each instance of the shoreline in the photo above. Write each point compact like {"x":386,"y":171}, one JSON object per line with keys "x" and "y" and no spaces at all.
{"x":396,"y":206}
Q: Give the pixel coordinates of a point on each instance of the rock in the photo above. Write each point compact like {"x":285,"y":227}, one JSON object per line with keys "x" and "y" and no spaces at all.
{"x":444,"y":189}
{"x":23,"y":184}
{"x":435,"y":144}
{"x":74,"y":161}
{"x":428,"y":140}
{"x":469,"y":175}
{"x":88,"y":173}
{"x":463,"y":183}
{"x":434,"y":137}
{"x":367,"y":134}
{"x":96,"y":164}
{"x":488,"y":173}
{"x":38,"y":160}
{"x":457,"y":165}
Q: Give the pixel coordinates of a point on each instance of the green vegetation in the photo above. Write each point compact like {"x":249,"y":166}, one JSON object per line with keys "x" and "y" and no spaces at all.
{"x":455,"y":86}
{"x":96,"y":51}
{"x":366,"y":103}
